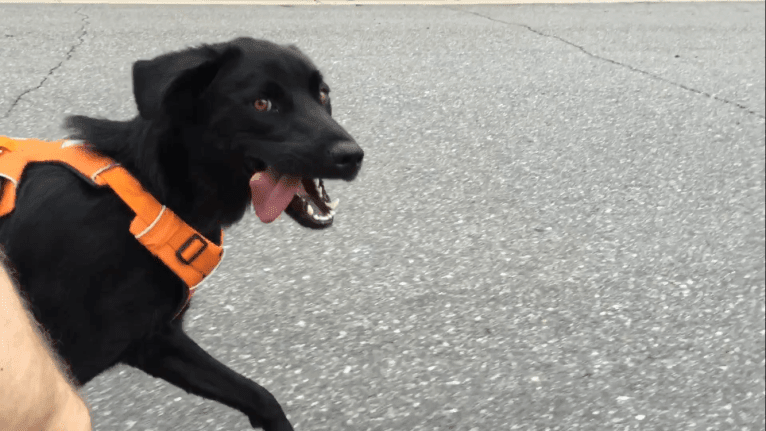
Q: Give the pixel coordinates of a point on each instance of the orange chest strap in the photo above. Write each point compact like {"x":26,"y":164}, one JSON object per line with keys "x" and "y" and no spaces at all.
{"x":185,"y":251}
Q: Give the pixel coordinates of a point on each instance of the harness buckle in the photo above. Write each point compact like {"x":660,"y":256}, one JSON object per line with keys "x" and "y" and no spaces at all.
{"x":194,"y":237}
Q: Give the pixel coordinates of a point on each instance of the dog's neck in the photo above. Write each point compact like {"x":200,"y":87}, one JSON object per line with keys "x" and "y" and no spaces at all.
{"x":207,"y":196}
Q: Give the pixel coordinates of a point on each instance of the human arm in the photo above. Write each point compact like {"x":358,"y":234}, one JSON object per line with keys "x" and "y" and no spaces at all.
{"x":34,"y":392}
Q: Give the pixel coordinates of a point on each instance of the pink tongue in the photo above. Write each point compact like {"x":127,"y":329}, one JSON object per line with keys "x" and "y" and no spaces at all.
{"x":272,"y":192}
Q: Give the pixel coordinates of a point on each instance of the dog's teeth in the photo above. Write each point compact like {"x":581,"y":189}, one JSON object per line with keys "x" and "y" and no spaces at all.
{"x":310,"y":210}
{"x":332,"y":213}
{"x":334,"y":204}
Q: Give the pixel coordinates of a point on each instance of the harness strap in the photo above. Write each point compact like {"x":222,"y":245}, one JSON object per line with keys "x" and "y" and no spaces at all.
{"x":190,"y":255}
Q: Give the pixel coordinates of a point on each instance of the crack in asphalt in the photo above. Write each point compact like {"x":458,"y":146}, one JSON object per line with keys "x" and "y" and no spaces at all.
{"x":81,"y":40}
{"x":634,"y":69}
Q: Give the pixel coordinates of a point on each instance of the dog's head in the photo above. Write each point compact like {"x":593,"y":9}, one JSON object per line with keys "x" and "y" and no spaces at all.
{"x":259,"y":109}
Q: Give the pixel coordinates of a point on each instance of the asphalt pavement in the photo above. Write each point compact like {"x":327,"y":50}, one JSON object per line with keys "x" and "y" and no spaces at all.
{"x":559,"y":225}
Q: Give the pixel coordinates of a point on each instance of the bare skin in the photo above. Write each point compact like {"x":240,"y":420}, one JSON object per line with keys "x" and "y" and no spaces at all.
{"x":35,"y":392}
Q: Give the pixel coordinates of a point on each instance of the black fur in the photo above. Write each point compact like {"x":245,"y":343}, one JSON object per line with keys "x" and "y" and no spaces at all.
{"x":196,"y":142}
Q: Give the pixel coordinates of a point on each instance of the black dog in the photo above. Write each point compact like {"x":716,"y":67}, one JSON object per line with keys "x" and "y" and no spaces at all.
{"x":210,"y":119}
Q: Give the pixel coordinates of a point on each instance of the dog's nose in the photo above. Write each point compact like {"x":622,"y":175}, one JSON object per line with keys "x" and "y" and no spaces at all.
{"x":347,"y":157}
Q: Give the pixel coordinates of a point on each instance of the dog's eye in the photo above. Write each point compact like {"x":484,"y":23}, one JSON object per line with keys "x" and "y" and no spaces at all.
{"x":263,"y":105}
{"x":323,"y":97}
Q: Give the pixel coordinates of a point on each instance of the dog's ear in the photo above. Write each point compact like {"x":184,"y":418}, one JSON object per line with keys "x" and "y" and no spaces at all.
{"x":177,"y":79}
{"x":303,"y":55}
{"x":295,"y":49}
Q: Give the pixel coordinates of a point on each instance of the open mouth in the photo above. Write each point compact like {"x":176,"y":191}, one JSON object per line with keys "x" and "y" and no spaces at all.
{"x":304,"y":199}
{"x":311,"y":206}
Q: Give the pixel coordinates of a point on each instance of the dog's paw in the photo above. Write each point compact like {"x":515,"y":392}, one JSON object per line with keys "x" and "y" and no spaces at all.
{"x":273,"y":425}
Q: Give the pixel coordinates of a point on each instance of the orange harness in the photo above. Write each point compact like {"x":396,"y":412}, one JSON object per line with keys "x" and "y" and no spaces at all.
{"x":184,"y":250}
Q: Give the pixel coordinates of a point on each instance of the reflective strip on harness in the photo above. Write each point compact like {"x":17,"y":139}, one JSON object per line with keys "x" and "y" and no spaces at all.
{"x":184,"y":250}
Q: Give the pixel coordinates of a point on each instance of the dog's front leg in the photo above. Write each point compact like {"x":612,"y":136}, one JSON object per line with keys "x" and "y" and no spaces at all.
{"x":174,"y":357}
